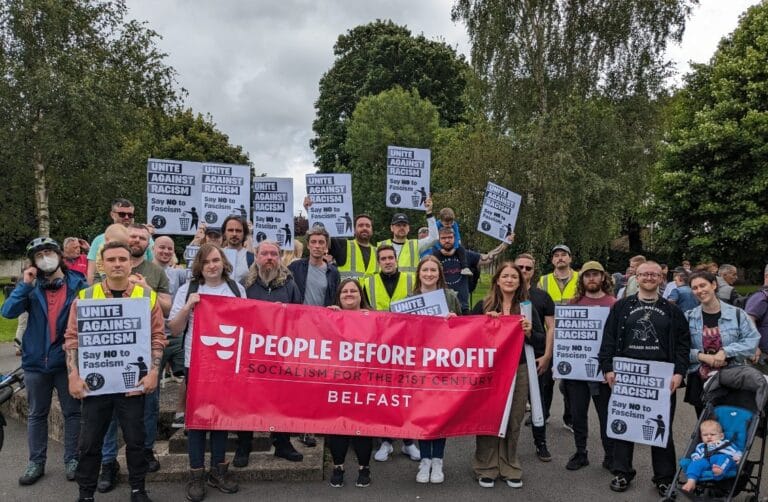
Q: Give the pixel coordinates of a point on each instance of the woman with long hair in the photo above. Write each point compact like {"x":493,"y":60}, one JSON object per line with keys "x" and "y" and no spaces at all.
{"x":350,"y":296}
{"x":721,"y":335}
{"x":429,"y":278}
{"x":497,"y":457}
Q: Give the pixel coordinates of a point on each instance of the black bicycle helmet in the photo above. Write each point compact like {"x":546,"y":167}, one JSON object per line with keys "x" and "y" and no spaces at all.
{"x":40,"y":243}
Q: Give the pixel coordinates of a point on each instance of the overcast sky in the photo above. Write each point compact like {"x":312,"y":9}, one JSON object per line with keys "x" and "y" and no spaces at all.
{"x":254,"y":65}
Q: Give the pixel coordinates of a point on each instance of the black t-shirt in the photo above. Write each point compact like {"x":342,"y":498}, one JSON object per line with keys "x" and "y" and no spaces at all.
{"x":710,"y":336}
{"x":116,"y":293}
{"x":338,"y":250}
{"x":645,"y":325}
{"x":710,"y":320}
{"x":544,"y":306}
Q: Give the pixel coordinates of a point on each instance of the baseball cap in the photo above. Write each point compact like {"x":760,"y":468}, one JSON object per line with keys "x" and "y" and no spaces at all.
{"x":212,"y":230}
{"x":560,"y":247}
{"x":400,"y":218}
{"x":592,"y":265}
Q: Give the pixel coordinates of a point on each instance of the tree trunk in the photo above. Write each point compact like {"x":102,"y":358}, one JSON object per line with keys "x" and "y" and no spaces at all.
{"x":41,"y":196}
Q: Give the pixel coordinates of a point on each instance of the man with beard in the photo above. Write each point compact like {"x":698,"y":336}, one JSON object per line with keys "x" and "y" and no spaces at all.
{"x":46,"y":291}
{"x":147,"y":275}
{"x":545,"y":307}
{"x":595,"y":290}
{"x":452,"y":265}
{"x":648,"y":327}
{"x":270,"y":281}
{"x":354,"y":257}
{"x":409,"y":251}
{"x":235,"y":231}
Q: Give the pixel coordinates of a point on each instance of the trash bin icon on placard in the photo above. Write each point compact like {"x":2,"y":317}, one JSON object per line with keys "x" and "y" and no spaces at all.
{"x":648,"y":431}
{"x":340,"y":226}
{"x":184,"y":222}
{"x":502,"y":232}
{"x":129,"y":378}
{"x":415,"y":199}
{"x":591,"y":367}
{"x":280,"y":238}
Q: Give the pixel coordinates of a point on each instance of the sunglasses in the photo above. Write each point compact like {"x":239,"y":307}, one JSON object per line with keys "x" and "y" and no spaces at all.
{"x":525,"y":267}
{"x":124,"y":214}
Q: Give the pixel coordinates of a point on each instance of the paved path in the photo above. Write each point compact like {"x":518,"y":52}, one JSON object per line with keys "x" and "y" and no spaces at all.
{"x":392,"y":480}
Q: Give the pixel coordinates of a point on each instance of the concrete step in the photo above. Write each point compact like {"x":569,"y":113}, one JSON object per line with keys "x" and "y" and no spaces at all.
{"x":177,"y":443}
{"x":263,"y":465}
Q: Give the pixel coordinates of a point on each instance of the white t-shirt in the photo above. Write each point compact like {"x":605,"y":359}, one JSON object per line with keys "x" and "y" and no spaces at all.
{"x":181,"y":299}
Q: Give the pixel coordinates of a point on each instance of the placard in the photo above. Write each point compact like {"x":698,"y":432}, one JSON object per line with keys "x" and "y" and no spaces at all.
{"x":114,"y":344}
{"x":432,"y":303}
{"x":639,"y":406}
{"x":408,"y":171}
{"x":331,"y":207}
{"x":273,"y":210}
{"x":182,"y":194}
{"x":498,"y":213}
{"x":578,"y":335}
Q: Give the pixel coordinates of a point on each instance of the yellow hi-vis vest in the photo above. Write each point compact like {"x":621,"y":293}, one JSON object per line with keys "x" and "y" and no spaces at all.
{"x":354,"y":266}
{"x":549,"y":284}
{"x":96,"y":292}
{"x":408,"y":258}
{"x":377,"y":292}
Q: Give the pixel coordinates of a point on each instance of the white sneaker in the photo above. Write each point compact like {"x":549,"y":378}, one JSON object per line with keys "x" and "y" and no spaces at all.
{"x":466,"y":271}
{"x":437,"y":475}
{"x":423,"y":475}
{"x":412,"y":451}
{"x":382,"y":454}
{"x":514,"y":483}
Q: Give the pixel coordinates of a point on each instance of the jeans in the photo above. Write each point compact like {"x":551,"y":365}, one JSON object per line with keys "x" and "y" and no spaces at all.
{"x":196,"y":448}
{"x":663,"y":460}
{"x":546,"y":389}
{"x":97,"y":412}
{"x":339,"y":445}
{"x":39,"y":392}
{"x":432,"y":448}
{"x":151,"y":412}
{"x":580,"y":392}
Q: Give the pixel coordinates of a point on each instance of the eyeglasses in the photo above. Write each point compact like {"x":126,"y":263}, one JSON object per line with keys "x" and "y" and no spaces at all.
{"x":649,"y":274}
{"x":525,"y":267}
{"x":124,"y":214}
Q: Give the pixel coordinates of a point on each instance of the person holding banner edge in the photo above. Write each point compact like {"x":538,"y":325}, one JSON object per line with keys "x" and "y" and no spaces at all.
{"x":429,"y":277}
{"x":210,"y":275}
{"x":97,"y":411}
{"x":595,"y":289}
{"x":408,"y":250}
{"x":350,"y":296}
{"x":494,"y":456}
{"x":648,"y":327}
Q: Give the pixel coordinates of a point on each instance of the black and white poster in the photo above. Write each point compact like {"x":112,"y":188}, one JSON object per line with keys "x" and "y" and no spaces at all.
{"x":331,"y":207}
{"x":273,"y":211}
{"x":498,"y":214}
{"x":432,"y":303}
{"x":578,"y":335}
{"x":182,"y":194}
{"x":408,"y":171}
{"x":639,"y":406}
{"x":114,"y":338}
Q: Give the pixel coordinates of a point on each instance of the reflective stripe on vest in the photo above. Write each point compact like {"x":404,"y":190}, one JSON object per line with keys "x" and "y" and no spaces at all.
{"x":377,"y":292}
{"x":354,"y":266}
{"x":96,"y":292}
{"x":550,"y":285}
{"x":408,"y":258}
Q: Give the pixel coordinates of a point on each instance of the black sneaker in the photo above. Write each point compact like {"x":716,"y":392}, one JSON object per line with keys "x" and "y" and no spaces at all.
{"x":337,"y":477}
{"x":620,"y":483}
{"x":153,"y":465}
{"x":577,"y":461}
{"x":288,"y":452}
{"x":663,"y":488}
{"x":108,"y":476}
{"x":543,"y":453}
{"x":363,"y":477}
{"x":241,"y":458}
{"x":32,"y":474}
{"x":140,"y":496}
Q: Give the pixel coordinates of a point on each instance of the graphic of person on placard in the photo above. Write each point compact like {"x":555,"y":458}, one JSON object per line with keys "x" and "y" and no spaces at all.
{"x":348,"y":223}
{"x":243,"y":212}
{"x":287,"y":230}
{"x":195,"y":218}
{"x":509,"y":230}
{"x":660,"y":427}
{"x":142,"y":366}
{"x":423,"y":192}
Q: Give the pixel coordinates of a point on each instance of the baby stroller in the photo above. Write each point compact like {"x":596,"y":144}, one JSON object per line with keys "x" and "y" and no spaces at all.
{"x":735,"y":397}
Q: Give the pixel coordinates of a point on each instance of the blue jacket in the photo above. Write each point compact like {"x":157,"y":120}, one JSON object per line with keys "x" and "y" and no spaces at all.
{"x":38,"y":353}
{"x":300,"y":268}
{"x":737,"y":332}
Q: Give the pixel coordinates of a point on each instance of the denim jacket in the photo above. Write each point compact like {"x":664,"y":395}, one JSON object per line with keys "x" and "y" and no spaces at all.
{"x":737,"y":332}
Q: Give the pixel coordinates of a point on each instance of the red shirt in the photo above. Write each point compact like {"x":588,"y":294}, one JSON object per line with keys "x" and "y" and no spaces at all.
{"x":55,"y":299}
{"x":80,"y":264}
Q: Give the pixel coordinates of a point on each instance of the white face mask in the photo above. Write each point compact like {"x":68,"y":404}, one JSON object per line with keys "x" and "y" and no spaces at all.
{"x":47,"y":264}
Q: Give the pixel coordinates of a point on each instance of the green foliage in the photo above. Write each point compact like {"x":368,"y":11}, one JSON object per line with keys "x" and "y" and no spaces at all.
{"x":373,"y":58}
{"x":711,"y":186}
{"x":393,"y":117}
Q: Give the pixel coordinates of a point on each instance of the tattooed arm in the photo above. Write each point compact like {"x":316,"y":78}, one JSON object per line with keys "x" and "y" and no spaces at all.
{"x":77,"y":387}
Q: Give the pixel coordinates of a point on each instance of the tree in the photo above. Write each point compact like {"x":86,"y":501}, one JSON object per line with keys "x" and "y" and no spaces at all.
{"x":711,"y":189}
{"x":393,"y":117}
{"x":77,"y":79}
{"x":373,"y":58}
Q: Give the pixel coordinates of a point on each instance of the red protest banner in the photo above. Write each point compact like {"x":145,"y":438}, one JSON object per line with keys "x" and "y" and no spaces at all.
{"x":295,"y":368}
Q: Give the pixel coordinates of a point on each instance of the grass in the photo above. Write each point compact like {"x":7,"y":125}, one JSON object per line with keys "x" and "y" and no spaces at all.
{"x":7,"y":326}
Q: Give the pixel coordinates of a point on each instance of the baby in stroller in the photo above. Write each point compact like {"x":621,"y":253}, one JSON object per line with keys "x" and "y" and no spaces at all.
{"x":714,"y":453}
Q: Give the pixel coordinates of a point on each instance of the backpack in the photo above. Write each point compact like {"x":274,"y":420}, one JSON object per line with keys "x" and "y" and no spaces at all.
{"x":741,"y":301}
{"x":194,"y":286}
